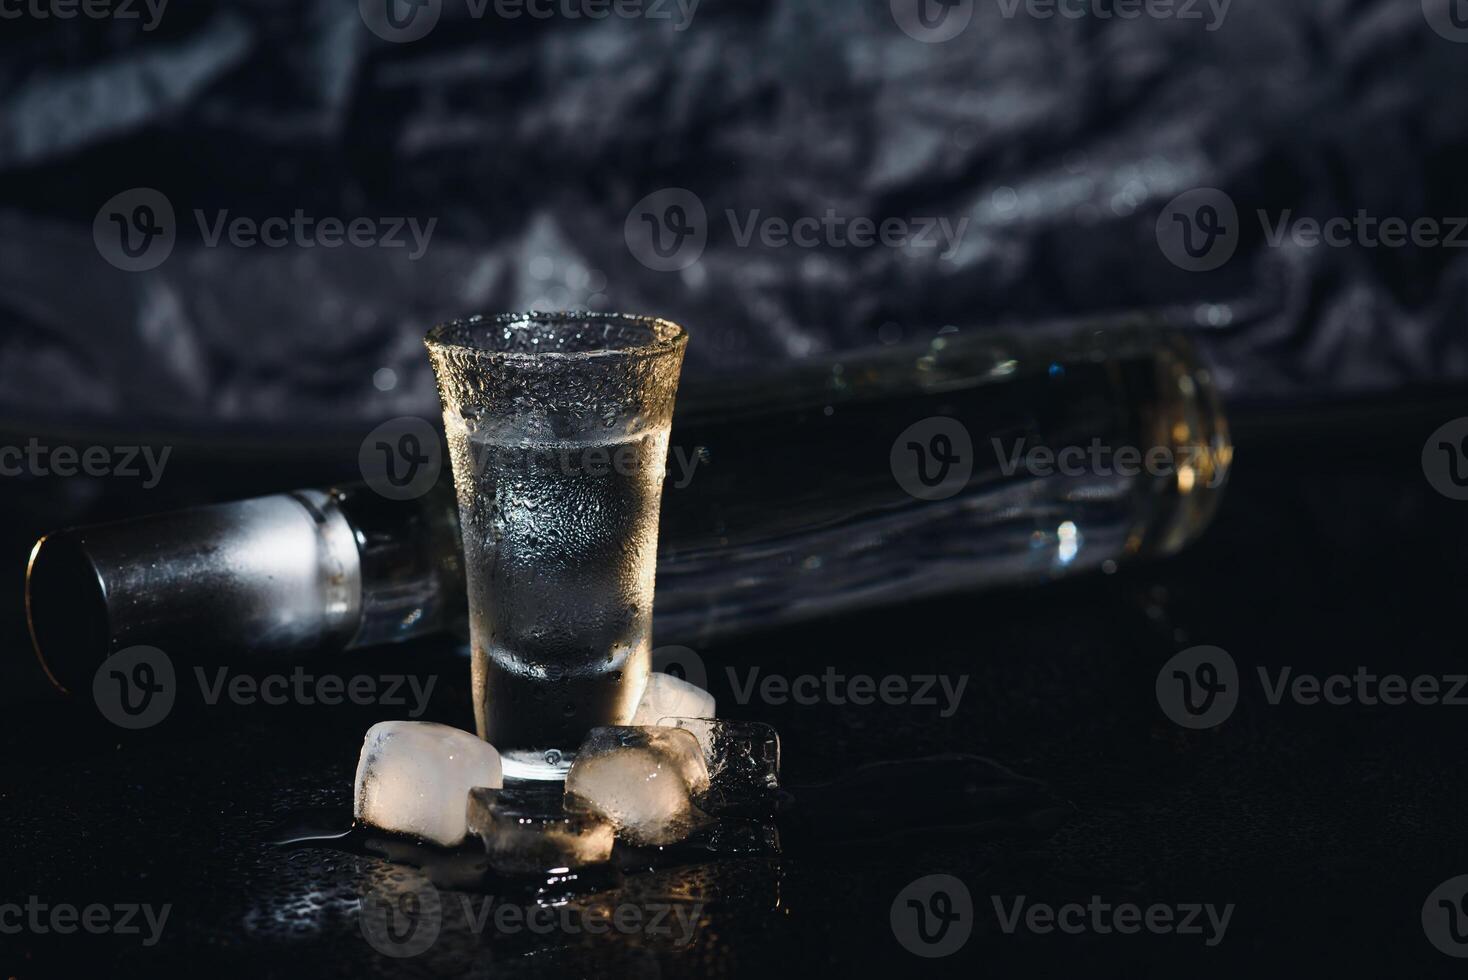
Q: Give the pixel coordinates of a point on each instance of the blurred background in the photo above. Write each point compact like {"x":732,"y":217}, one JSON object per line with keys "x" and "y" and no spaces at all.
{"x":528,"y":145}
{"x":225,"y":228}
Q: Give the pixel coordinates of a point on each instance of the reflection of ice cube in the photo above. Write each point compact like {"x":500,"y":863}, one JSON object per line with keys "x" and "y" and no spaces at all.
{"x":529,"y":830}
{"x":743,"y":758}
{"x":735,"y":836}
{"x":641,"y":779}
{"x":414,"y":778}
{"x":666,"y":696}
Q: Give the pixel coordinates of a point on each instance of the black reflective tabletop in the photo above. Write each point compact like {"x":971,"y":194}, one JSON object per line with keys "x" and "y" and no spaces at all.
{"x":1063,"y":793}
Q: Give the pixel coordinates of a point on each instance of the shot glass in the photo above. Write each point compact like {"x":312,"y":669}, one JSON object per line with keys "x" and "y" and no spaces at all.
{"x":557,"y":429}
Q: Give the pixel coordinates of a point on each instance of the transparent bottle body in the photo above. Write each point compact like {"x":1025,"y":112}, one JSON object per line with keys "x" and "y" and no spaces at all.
{"x":780,"y":505}
{"x":797,"y":511}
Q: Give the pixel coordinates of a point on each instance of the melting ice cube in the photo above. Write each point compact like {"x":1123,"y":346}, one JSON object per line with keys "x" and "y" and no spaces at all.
{"x":414,"y":778}
{"x":530,"y":830}
{"x":666,"y":696}
{"x":641,"y":779}
{"x":742,"y":757}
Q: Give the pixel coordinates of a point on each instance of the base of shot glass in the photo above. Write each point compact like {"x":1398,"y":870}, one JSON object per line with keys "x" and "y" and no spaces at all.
{"x":537,"y":765}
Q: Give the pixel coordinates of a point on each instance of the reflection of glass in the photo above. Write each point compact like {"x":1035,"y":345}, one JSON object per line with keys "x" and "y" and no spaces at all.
{"x":558,"y":432}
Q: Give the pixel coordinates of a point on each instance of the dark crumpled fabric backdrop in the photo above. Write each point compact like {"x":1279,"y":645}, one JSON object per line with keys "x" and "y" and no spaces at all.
{"x":1060,"y":140}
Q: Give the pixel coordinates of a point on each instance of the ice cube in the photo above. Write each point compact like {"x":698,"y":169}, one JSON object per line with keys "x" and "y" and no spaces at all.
{"x":641,"y":779}
{"x":742,"y":757}
{"x":414,"y":778}
{"x":526,"y":831}
{"x":666,"y":696}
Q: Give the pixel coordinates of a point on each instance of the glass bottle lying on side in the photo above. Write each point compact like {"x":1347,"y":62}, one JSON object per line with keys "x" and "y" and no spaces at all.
{"x":882,"y":476}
